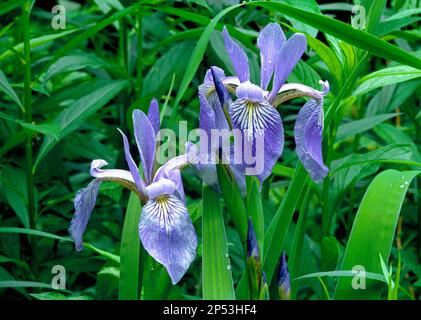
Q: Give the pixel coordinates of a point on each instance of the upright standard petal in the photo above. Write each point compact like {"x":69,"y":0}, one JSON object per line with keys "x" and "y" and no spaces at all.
{"x":132,"y":165}
{"x":171,"y":170}
{"x":145,"y":139}
{"x":308,"y":132}
{"x":153,"y":115}
{"x":168,"y":235}
{"x":238,"y":57}
{"x":84,"y":203}
{"x":289,"y":56}
{"x":270,"y":42}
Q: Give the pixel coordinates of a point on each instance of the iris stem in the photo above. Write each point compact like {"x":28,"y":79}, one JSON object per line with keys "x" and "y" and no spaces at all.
{"x":26,"y":12}
{"x":139,"y":62}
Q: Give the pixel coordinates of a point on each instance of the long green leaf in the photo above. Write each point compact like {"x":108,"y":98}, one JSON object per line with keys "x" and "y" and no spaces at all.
{"x":358,"y":126}
{"x":7,"y":89}
{"x":345,"y":32}
{"x":233,"y":200}
{"x":216,"y":269}
{"x":130,"y":252}
{"x":39,"y":233}
{"x":75,"y":115}
{"x":385,"y":77}
{"x":373,"y":231}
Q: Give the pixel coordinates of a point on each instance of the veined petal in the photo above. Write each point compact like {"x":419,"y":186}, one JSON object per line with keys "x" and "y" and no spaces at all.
{"x":160,"y":187}
{"x":308,"y":132}
{"x":153,"y":115}
{"x":145,"y":139}
{"x":84,"y":203}
{"x":289,"y":56}
{"x":270,"y":42}
{"x":238,"y":57}
{"x":168,"y":235}
{"x":132,"y":165}
{"x":261,"y":124}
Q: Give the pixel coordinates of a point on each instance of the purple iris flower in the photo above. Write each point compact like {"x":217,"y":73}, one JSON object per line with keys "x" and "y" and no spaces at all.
{"x":254,"y":109}
{"x":165,"y":227}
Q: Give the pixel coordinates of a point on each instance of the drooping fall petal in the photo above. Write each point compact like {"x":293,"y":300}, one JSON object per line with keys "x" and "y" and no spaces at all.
{"x":308,"y":131}
{"x":84,"y":203}
{"x":168,"y":235}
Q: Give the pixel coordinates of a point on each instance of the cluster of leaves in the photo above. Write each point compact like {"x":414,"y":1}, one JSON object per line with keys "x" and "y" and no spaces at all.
{"x":61,"y":104}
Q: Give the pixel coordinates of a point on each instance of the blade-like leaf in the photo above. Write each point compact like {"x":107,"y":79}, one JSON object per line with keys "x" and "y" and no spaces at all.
{"x":373,"y":231}
{"x":74,"y":116}
{"x":130,"y":252}
{"x":7,"y":89}
{"x":216,"y":269}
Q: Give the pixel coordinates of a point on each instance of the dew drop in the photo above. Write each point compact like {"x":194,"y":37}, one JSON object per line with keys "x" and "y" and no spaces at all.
{"x":401,"y":186}
{"x":229,"y":267}
{"x":227,"y":255}
{"x":406,"y":182}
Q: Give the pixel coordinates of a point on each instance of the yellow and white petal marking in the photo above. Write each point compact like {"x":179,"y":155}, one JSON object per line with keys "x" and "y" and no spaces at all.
{"x":253,"y":117}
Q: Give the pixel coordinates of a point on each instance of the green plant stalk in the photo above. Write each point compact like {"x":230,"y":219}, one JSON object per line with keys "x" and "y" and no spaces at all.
{"x":123,"y":58}
{"x":139,"y":62}
{"x":26,"y":11}
{"x":131,"y":253}
{"x":297,"y":244}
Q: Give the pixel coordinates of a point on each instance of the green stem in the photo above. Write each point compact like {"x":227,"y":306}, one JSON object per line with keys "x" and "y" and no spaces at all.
{"x":28,"y":118}
{"x":297,"y":244}
{"x":139,"y":62}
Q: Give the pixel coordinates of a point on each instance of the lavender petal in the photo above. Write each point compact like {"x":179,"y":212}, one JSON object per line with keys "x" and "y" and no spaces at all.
{"x":84,"y":203}
{"x":132,"y":165}
{"x":153,"y":115}
{"x":270,"y":42}
{"x":289,"y":56}
{"x":238,"y":57}
{"x":145,"y":139}
{"x":168,"y":235}
{"x":308,"y":132}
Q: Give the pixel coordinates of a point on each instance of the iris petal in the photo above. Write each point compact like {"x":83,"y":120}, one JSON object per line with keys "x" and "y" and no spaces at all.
{"x":308,"y":132}
{"x":260,"y":124}
{"x":132,"y":165}
{"x":289,"y":56}
{"x":145,"y":139}
{"x":84,"y":203}
{"x":238,"y":57}
{"x":153,"y":115}
{"x":168,"y":235}
{"x":270,"y":42}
